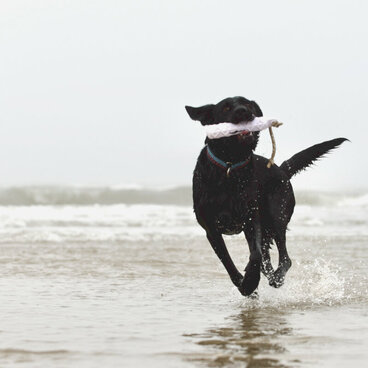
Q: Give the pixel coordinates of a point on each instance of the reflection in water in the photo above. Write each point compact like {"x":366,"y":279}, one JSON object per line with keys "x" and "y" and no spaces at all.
{"x":253,"y":338}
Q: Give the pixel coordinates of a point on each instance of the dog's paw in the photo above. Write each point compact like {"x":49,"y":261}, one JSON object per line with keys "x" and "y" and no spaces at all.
{"x":254,"y":295}
{"x":277,"y":279}
{"x":250,"y":282}
{"x":268,"y":272}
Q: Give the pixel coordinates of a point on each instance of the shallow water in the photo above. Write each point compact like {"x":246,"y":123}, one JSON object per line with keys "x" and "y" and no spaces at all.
{"x":137,"y":284}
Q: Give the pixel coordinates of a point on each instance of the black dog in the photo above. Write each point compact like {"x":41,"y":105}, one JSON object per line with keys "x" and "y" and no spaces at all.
{"x":234,"y":191}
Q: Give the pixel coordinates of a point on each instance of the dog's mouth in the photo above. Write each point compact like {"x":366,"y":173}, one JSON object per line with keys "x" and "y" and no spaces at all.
{"x":243,"y":136}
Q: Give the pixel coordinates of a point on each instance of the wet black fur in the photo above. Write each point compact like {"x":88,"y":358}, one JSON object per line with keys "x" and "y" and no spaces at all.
{"x":255,"y":200}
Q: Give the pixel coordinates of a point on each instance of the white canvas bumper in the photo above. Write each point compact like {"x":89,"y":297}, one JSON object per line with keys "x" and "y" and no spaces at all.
{"x":221,"y":130}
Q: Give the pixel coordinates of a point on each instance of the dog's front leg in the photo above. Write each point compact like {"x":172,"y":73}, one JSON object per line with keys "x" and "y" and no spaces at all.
{"x":253,"y":269}
{"x":217,"y":242}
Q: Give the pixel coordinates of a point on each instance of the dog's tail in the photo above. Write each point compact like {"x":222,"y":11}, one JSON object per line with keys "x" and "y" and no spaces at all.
{"x":307,"y":157}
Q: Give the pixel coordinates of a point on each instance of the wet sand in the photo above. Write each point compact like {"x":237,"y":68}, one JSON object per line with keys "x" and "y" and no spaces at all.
{"x":157,"y":296}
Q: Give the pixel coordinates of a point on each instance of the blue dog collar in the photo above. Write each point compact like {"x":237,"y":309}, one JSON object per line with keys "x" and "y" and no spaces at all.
{"x":228,"y":166}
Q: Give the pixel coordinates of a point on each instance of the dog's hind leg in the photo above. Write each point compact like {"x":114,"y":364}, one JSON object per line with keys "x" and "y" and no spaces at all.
{"x":252,"y":274}
{"x":266,"y":265}
{"x":278,"y":277}
{"x":217,"y":242}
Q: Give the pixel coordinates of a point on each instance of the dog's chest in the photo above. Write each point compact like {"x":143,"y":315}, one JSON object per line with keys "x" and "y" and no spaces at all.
{"x":234,"y":206}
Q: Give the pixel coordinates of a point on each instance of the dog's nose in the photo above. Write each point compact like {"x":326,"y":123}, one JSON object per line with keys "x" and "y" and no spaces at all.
{"x":241,"y":114}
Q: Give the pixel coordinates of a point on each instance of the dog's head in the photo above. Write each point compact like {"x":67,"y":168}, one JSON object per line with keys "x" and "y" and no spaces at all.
{"x":231,"y":110}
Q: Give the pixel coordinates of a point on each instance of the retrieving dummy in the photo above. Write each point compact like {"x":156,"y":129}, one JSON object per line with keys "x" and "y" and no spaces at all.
{"x":221,"y":130}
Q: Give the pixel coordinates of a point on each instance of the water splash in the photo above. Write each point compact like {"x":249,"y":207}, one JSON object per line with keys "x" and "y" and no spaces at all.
{"x":307,"y":285}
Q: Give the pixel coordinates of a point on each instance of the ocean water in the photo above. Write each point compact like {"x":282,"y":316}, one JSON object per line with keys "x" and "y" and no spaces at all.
{"x":124,"y":277}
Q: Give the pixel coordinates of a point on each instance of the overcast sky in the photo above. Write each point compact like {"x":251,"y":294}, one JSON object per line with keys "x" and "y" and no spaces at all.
{"x":93,"y":92}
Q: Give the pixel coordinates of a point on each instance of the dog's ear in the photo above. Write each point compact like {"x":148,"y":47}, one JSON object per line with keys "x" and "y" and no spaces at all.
{"x":257,"y":109}
{"x":204,"y":114}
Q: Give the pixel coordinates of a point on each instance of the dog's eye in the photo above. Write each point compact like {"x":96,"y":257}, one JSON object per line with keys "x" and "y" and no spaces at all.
{"x":227,"y":108}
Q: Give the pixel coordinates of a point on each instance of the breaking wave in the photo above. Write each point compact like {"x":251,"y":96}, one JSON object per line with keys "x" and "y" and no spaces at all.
{"x":69,"y":195}
{"x":70,"y":214}
{"x":133,"y":194}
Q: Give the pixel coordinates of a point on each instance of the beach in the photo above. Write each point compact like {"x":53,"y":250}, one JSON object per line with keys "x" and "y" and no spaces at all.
{"x":103,"y":277}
